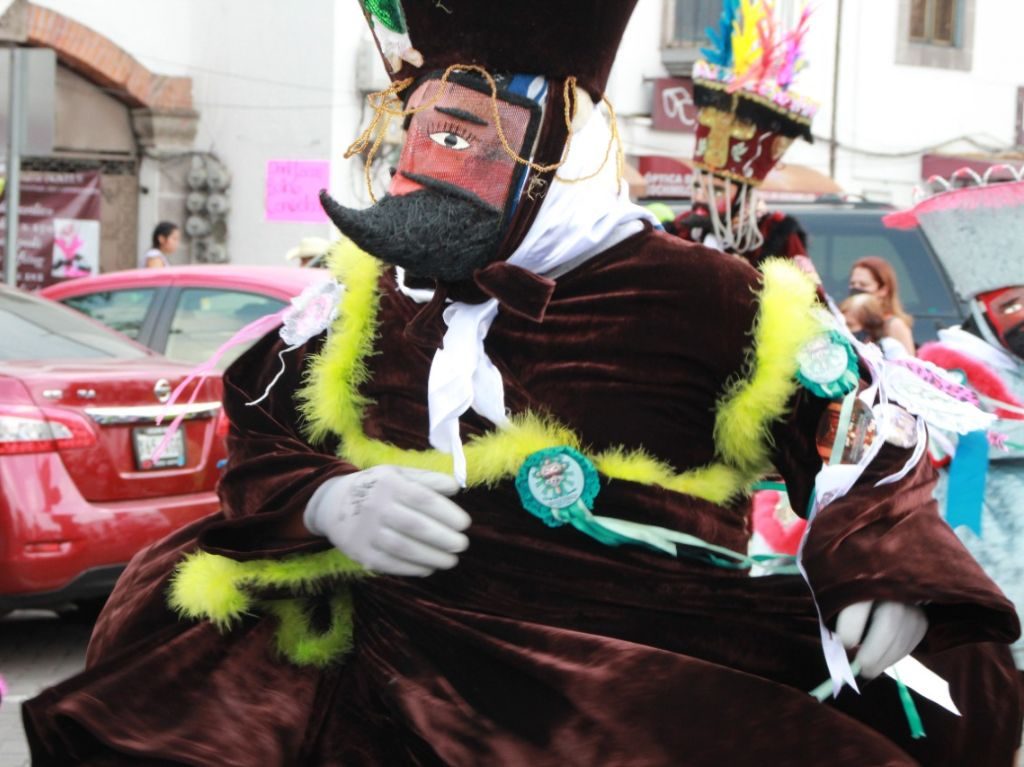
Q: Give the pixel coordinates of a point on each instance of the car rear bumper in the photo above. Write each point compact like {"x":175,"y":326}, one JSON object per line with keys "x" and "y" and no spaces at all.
{"x":97,"y":582}
{"x":54,"y":543}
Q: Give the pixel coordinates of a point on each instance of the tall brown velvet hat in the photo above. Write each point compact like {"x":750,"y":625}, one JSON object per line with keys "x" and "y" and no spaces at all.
{"x":554,"y":38}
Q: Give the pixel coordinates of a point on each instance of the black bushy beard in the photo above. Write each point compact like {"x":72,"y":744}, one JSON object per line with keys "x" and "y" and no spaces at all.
{"x":440,"y":231}
{"x":1014,"y":339}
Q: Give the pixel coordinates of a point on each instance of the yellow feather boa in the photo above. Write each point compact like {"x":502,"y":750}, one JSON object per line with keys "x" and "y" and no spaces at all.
{"x":211,"y":587}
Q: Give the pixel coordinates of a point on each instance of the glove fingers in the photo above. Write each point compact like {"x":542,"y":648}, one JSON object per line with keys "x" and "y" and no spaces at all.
{"x":414,"y":552}
{"x":425,"y":529}
{"x":889,"y":639}
{"x":382,"y":563}
{"x":875,"y":652}
{"x":439,"y":483}
{"x":851,"y":623}
{"x":433,"y":505}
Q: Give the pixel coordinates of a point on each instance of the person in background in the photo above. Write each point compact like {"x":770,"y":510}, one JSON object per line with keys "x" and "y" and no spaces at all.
{"x":741,"y":135}
{"x":865,"y":317}
{"x":309,"y":252}
{"x":875,"y":275}
{"x":981,"y":476}
{"x":166,"y":239}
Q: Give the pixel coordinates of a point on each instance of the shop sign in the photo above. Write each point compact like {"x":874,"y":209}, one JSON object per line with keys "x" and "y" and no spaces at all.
{"x":673,"y":108}
{"x":665,"y":176}
{"x":58,"y":227}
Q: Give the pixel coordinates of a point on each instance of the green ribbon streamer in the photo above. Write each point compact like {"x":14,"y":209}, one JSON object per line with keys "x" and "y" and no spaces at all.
{"x":824,"y":690}
{"x":769,"y":485}
{"x":842,"y":429}
{"x":910,"y":710}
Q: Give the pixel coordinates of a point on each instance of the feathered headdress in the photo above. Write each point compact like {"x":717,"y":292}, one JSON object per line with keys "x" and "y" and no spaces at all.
{"x":748,"y":113}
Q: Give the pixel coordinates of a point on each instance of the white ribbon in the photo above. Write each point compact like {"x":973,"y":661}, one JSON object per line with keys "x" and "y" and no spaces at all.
{"x":576,"y":221}
{"x":462,"y":376}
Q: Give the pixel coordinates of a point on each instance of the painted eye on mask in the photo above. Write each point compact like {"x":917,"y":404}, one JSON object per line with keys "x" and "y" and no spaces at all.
{"x":449,"y":140}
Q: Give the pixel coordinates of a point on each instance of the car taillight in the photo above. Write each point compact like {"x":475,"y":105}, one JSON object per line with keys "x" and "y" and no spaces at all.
{"x":25,"y":429}
{"x":223,"y":424}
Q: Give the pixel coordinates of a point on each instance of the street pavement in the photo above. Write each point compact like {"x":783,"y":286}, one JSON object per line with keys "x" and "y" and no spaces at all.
{"x":37,"y":649}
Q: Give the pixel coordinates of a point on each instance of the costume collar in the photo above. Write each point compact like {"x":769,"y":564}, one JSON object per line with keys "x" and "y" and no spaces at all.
{"x":958,"y":339}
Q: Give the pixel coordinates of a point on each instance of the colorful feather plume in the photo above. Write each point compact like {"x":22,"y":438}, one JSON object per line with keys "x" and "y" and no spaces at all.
{"x":792,"y":59}
{"x":752,"y":45}
{"x":746,"y":43}
{"x":720,"y":52}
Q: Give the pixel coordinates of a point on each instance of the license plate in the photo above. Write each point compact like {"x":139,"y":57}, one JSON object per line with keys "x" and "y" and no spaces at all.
{"x":146,"y":440}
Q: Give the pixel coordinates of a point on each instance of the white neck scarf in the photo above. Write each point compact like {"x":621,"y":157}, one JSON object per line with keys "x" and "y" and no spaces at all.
{"x":576,"y":221}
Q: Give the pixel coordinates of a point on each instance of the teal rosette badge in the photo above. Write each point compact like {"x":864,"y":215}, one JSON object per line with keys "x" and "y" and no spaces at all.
{"x":558,"y":485}
{"x":828,"y":366}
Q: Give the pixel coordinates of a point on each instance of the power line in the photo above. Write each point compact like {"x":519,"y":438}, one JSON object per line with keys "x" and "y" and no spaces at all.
{"x":236,"y":76}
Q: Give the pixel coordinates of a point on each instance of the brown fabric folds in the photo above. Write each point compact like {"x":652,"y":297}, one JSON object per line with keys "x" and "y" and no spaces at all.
{"x":519,"y":291}
{"x":555,"y":38}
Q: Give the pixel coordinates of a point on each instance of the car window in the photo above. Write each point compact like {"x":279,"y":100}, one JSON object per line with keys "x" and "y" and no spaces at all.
{"x":122,"y":310}
{"x":204,"y":318}
{"x":837,"y":241}
{"x":37,"y":329}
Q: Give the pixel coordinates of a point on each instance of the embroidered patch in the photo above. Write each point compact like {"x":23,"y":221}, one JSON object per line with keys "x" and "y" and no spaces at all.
{"x":898,"y":426}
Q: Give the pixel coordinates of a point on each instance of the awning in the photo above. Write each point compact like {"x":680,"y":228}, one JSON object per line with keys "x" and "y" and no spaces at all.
{"x":655,"y":176}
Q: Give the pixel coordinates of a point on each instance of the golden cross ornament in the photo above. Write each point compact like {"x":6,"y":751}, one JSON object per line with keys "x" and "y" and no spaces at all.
{"x":722,"y":127}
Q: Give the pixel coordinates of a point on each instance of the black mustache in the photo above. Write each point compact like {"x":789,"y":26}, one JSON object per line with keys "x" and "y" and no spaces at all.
{"x":440,"y":231}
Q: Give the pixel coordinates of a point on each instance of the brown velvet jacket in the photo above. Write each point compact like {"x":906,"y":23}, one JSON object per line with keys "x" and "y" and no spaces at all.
{"x":636,"y":347}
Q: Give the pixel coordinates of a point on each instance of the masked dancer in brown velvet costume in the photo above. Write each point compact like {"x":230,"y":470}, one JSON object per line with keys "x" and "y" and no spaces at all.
{"x":485,"y":495}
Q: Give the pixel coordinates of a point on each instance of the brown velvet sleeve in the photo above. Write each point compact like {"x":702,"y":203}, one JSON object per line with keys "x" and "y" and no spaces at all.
{"x":888,"y":542}
{"x":272,"y":469}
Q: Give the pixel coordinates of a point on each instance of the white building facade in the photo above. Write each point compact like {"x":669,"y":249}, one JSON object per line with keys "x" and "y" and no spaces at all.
{"x":287,"y":82}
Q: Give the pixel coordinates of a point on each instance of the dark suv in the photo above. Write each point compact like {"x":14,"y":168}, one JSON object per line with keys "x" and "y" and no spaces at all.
{"x":839,"y":233}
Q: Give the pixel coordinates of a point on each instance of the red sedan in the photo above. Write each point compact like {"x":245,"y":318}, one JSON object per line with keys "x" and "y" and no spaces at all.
{"x":79,"y":490}
{"x":185,"y":312}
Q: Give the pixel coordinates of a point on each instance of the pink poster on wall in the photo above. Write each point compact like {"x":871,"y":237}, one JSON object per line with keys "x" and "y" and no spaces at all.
{"x":293,"y":190}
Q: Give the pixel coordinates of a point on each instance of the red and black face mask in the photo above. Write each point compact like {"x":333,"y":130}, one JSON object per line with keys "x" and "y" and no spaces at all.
{"x":1004,"y":310}
{"x":458,"y":181}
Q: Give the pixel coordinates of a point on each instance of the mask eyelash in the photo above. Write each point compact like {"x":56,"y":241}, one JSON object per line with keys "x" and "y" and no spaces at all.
{"x":451,"y":127}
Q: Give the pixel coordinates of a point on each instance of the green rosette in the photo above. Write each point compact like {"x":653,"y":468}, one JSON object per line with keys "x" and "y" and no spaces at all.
{"x":555,"y":483}
{"x":827,"y":366}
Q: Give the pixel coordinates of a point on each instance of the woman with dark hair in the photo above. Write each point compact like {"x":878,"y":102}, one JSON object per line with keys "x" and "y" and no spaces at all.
{"x":166,"y":238}
{"x":875,"y":275}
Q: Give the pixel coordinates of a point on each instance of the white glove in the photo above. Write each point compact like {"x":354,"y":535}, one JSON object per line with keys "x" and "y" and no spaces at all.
{"x":895,"y":630}
{"x":392,"y":520}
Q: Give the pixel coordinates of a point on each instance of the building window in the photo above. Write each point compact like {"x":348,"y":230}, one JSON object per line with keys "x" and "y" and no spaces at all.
{"x":935,"y":22}
{"x":686,"y":23}
{"x":690,"y":21}
{"x":936,"y":33}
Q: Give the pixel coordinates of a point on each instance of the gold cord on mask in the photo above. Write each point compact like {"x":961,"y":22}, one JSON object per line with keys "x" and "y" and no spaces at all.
{"x":387,"y":106}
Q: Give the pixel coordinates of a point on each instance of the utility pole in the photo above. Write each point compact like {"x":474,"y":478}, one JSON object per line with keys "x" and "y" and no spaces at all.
{"x":835,"y":92}
{"x":13,"y":185}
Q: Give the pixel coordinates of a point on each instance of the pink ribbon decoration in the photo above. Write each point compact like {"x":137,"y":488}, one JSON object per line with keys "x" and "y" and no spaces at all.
{"x":254,"y":330}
